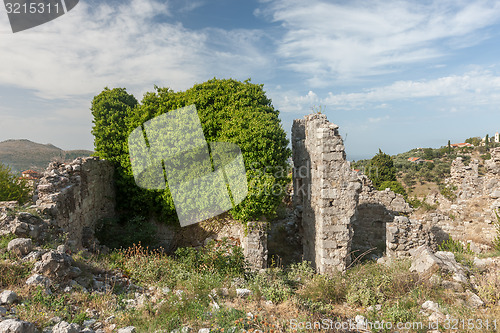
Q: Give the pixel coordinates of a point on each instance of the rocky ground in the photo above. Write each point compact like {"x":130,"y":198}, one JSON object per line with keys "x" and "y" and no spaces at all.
{"x":47,"y":285}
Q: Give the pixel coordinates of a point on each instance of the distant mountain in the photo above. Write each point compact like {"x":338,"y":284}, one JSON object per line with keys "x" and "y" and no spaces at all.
{"x":24,"y":154}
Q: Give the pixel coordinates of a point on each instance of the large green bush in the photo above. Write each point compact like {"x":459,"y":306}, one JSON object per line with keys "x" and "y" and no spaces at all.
{"x":229,"y":110}
{"x":11,"y":187}
{"x":381,"y":169}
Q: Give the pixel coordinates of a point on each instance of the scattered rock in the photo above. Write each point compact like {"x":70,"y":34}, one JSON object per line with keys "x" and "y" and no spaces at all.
{"x":204,"y":330}
{"x":473,"y":300}
{"x":20,"y":246}
{"x":65,"y":327}
{"x":433,"y":310}
{"x":3,"y":311}
{"x":16,"y":326}
{"x":129,"y":329}
{"x":431,"y":306}
{"x":8,"y":297}
{"x":54,"y":265}
{"x":87,"y":330}
{"x":424,"y":260}
{"x":38,"y":280}
{"x":243,"y":292}
{"x":483,"y":263}
{"x":89,"y":322}
{"x":33,"y":256}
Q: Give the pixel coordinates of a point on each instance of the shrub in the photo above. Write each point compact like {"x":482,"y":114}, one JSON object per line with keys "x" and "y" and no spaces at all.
{"x":14,"y":273}
{"x":273,"y":284}
{"x":216,"y":257}
{"x":11,"y":187}
{"x":381,"y":168}
{"x":454,"y":246}
{"x":448,"y":192}
{"x":229,"y":110}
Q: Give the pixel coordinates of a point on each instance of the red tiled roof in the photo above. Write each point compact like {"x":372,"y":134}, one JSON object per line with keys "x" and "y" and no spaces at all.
{"x":27,"y":172}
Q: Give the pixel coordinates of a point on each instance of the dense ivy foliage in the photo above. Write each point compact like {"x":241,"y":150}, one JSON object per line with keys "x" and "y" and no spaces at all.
{"x":11,"y":187}
{"x":229,"y":110}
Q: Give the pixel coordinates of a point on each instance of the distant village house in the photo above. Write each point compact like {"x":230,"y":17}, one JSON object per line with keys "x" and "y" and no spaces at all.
{"x":461,"y":145}
{"x":30,"y":175}
{"x":495,"y":138}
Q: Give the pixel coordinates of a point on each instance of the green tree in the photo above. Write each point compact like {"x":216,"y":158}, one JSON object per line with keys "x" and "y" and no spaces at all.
{"x":111,"y":110}
{"x":381,"y":168}
{"x":487,"y":141}
{"x":409,"y":180}
{"x":449,"y":147}
{"x":474,"y":141}
{"x":428,"y":153}
{"x":11,"y":187}
{"x":229,"y":111}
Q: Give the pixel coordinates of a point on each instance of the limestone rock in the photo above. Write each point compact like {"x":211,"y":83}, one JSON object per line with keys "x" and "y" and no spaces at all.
{"x":423,"y":260}
{"x":430,"y":306}
{"x":54,"y":265}
{"x":65,"y":327}
{"x":16,"y":326}
{"x":129,"y":329}
{"x":38,"y":280}
{"x":473,"y":300}
{"x":8,"y":297}
{"x":20,"y":246}
{"x":243,"y":292}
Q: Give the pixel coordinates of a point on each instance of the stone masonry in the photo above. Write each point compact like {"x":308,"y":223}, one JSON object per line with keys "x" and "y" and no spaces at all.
{"x":76,"y":195}
{"x":404,"y":235}
{"x":326,"y":192}
{"x":375,"y":210}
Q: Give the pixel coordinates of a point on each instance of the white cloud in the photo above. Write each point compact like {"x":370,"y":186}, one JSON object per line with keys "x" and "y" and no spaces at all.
{"x":469,"y":88}
{"x":333,"y":42}
{"x":97,"y":45}
{"x":291,"y":102}
{"x":377,"y":120}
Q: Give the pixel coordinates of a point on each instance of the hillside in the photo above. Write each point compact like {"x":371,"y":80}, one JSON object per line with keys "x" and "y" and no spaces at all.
{"x":427,"y":174}
{"x":25,"y":154}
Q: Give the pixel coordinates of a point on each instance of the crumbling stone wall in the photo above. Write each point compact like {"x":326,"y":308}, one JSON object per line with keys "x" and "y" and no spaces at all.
{"x":493,"y":164}
{"x":374,"y":211}
{"x":76,"y":195}
{"x":469,"y":217}
{"x":404,"y":235}
{"x":252,"y":239}
{"x":326,"y":192}
{"x":466,"y":177}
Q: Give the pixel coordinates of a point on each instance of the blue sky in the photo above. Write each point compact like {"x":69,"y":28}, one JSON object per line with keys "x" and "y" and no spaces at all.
{"x":393,"y":75}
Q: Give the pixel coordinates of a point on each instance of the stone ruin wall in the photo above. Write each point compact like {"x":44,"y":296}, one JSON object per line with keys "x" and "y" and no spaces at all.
{"x":340,"y":211}
{"x":76,"y":195}
{"x":375,"y":210}
{"x":326,"y":192}
{"x":252,"y":239}
{"x":471,"y":216}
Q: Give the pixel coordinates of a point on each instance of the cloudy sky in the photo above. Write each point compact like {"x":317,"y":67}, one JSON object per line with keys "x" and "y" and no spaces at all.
{"x":392,"y":74}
